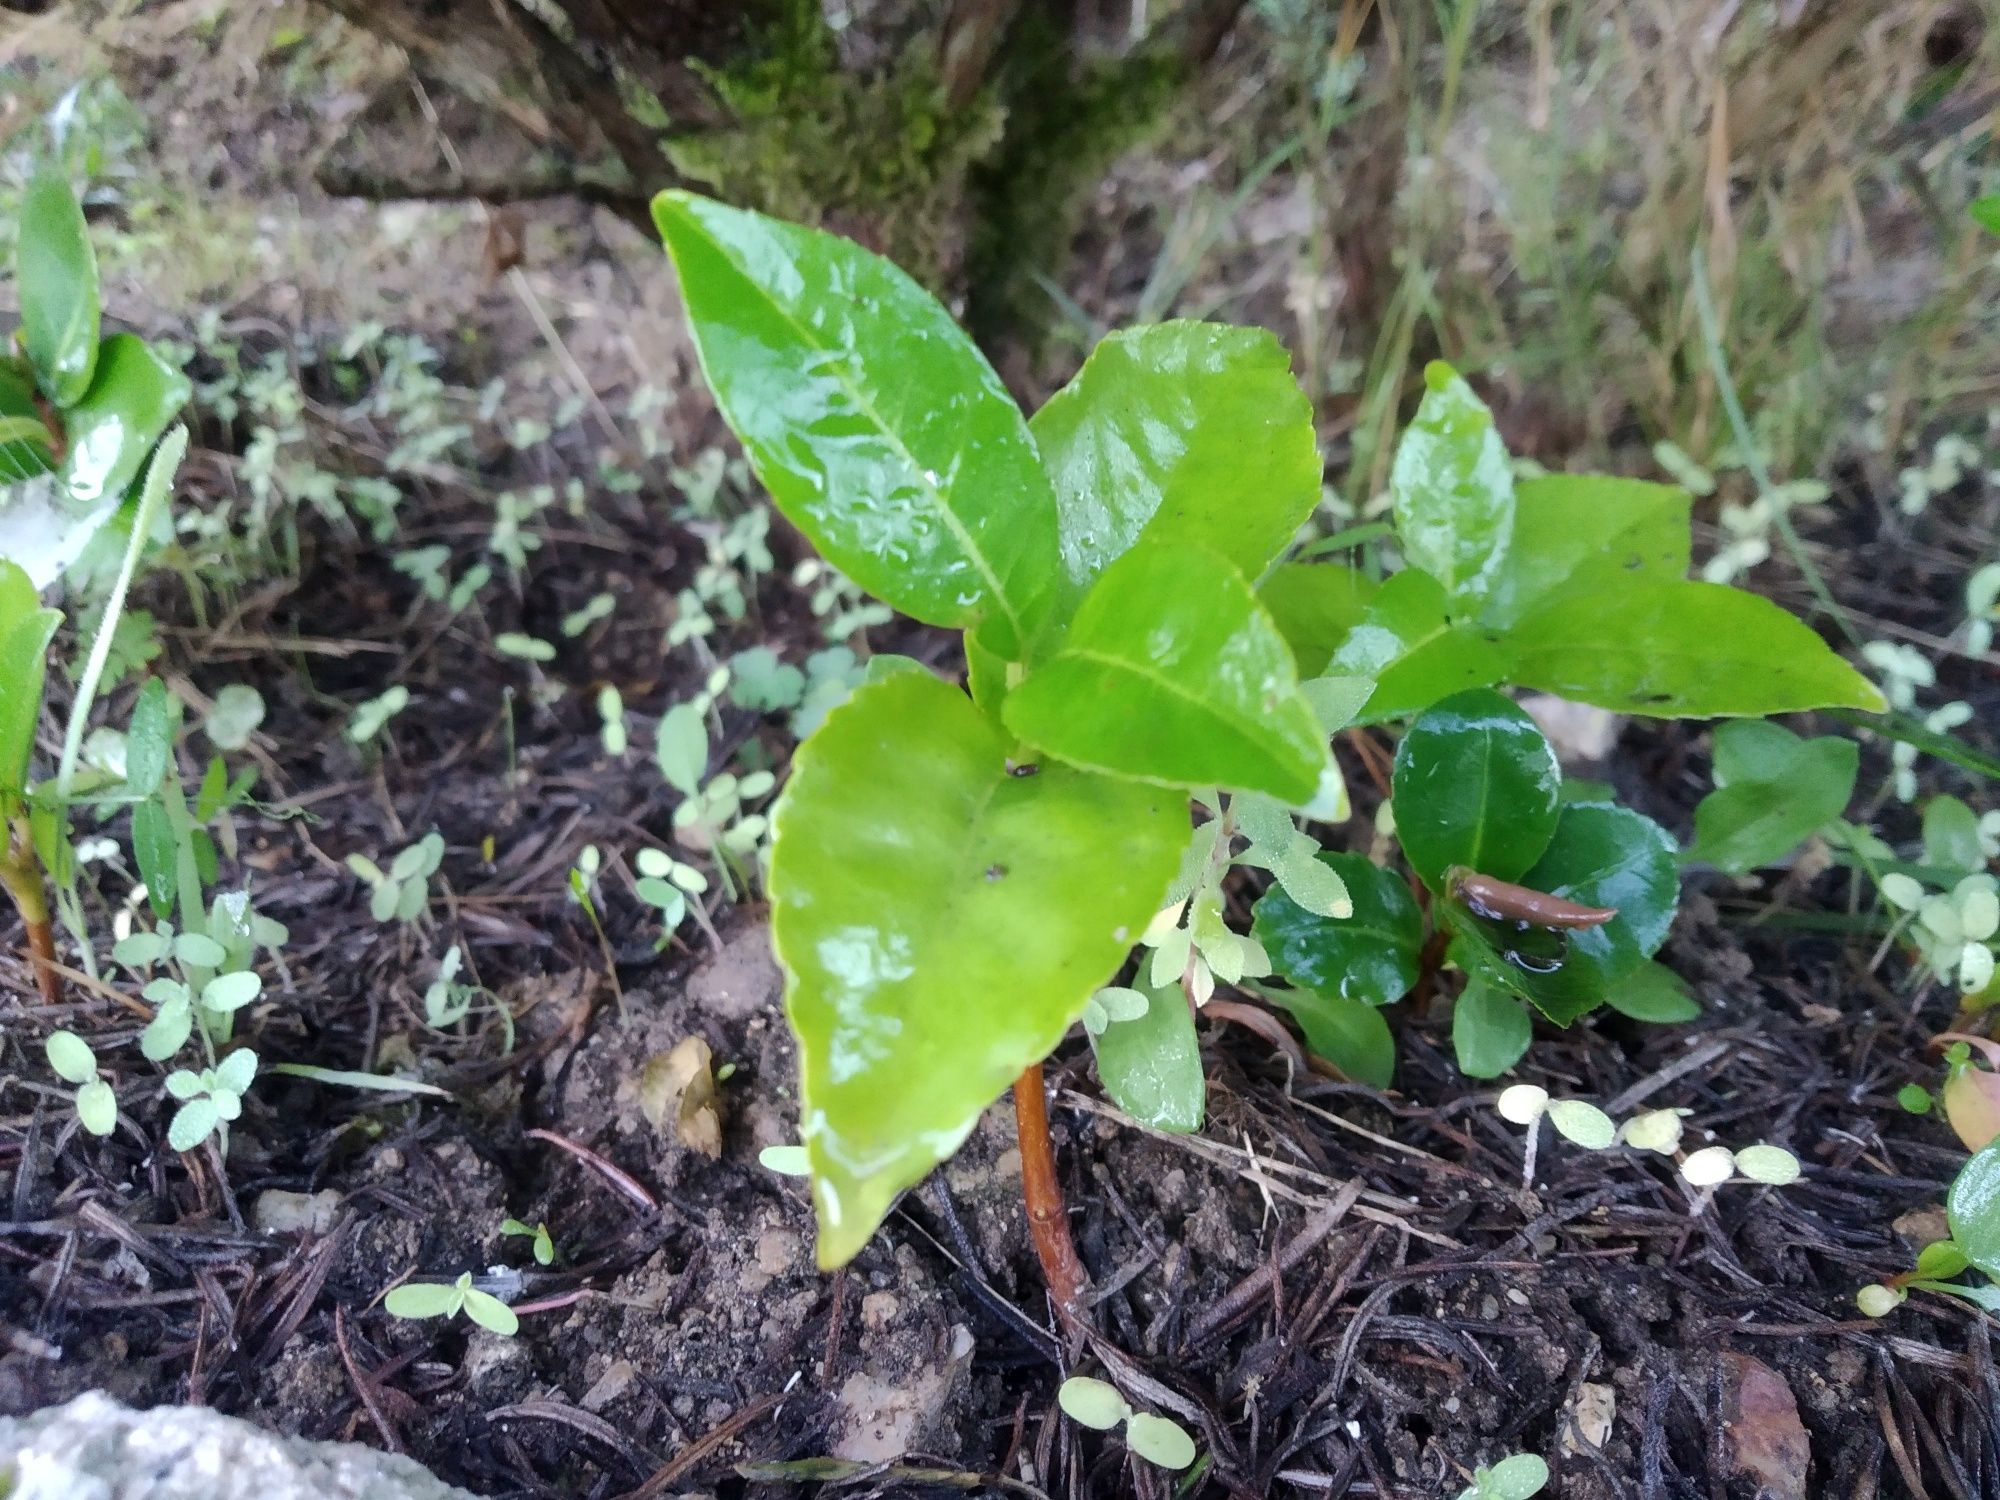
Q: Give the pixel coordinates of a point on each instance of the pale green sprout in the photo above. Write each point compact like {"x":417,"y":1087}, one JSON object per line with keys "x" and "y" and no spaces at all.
{"x":1709,"y":1167}
{"x":234,"y":716}
{"x":544,"y":1248}
{"x":403,"y":892}
{"x":1112,"y":1003}
{"x":1982,"y":608}
{"x":786,"y":1161}
{"x":1097,"y":1404}
{"x":1878,"y":1301}
{"x":73,"y":1062}
{"x":665,"y":884}
{"x":369,"y":717}
{"x":212,"y":979}
{"x":1655,"y":1130}
{"x":439,"y":1299}
{"x":523,"y":647}
{"x":680,"y":748}
{"x":1954,"y":930}
{"x":1771,"y":1165}
{"x":611,"y":711}
{"x":446,"y":1000}
{"x":598,"y":607}
{"x":1517,"y":1477}
{"x":209,"y":1099}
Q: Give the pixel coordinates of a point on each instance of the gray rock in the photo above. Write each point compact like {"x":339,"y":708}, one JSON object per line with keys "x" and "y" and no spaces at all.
{"x":96,"y":1449}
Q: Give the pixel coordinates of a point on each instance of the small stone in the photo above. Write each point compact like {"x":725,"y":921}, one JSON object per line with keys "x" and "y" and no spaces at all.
{"x":777,"y":1251}
{"x":879,"y":1418}
{"x":279,"y":1212}
{"x":878,"y":1311}
{"x":609,"y":1386}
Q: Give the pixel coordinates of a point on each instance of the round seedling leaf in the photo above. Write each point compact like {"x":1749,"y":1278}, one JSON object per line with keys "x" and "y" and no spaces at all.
{"x":1121,"y":1004}
{"x":1584,"y":1124}
{"x":1523,"y":1103}
{"x":1941,"y":1260}
{"x":1771,"y":1165}
{"x":786,"y":1161}
{"x":490,"y":1313}
{"x":1094,"y":1403}
{"x":167,"y":1032}
{"x":70,"y":1056}
{"x":200,"y":950}
{"x":1518,"y":1477}
{"x":231,"y":991}
{"x":411,"y":898}
{"x":425,"y":1299}
{"x":384,"y":899}
{"x":236,"y":1071}
{"x":1710,"y":1166}
{"x":97,"y":1107}
{"x":237,"y":711}
{"x":1878,"y":1301}
{"x":1162,"y":1443}
{"x":1656,"y":1130}
{"x":183,"y":1084}
{"x":1902,"y":891}
{"x":139,"y":949}
{"x":192,"y":1123}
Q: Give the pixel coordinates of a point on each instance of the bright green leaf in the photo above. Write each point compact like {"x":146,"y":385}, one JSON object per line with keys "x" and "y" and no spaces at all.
{"x":1316,"y":605}
{"x":1652,"y":992}
{"x":878,"y":427}
{"x":25,"y":632}
{"x":1672,"y":648}
{"x":1160,"y":1442}
{"x":149,"y":742}
{"x":1586,"y":531}
{"x":1350,"y":1034}
{"x":231,"y":991}
{"x":424,"y":1299}
{"x":1489,"y":1029}
{"x":1094,"y":1403}
{"x":97,"y":1107}
{"x":155,"y":851}
{"x":1973,"y":1207}
{"x":1416,"y":655}
{"x":1371,"y":956}
{"x":490,"y":1313}
{"x":56,"y":280}
{"x":133,"y":398}
{"x":912,"y":880}
{"x":1453,"y":490}
{"x":70,"y":1057}
{"x":167,"y":1032}
{"x":1173,"y":673}
{"x":1476,"y":785}
{"x":1151,"y":1064}
{"x":237,"y":1071}
{"x":1517,"y":1477}
{"x":681,"y":749}
{"x":1749,"y":823}
{"x":1184,"y":432}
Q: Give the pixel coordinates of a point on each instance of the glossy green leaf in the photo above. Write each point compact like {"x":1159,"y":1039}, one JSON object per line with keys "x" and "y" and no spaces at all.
{"x":1652,"y":992}
{"x":1586,"y":531}
{"x":1151,"y":1064}
{"x":877,"y":426}
{"x":1350,"y":1034}
{"x":1973,"y":1207}
{"x":941,"y":923}
{"x":1186,"y":432}
{"x":1316,"y":605}
{"x":26,"y":629}
{"x":1475,"y":784}
{"x":1416,"y":655}
{"x":1951,"y":836}
{"x":1453,"y":490}
{"x":1489,"y":1029}
{"x":154,"y":851}
{"x":149,"y":740}
{"x":26,"y":445}
{"x":1172,"y":672}
{"x":1372,"y":956}
{"x":1677,"y":649}
{"x":1796,"y":787}
{"x":132,"y":399}
{"x":56,"y":278}
{"x":986,"y":673}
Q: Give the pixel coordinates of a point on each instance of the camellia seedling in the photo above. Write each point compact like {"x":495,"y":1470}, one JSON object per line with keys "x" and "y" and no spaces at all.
{"x":956,"y":873}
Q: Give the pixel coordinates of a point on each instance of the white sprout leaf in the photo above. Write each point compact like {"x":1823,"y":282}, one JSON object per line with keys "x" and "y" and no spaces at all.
{"x":97,"y":1107}
{"x":1878,"y":1301}
{"x":1159,"y":1441}
{"x":71,"y":1057}
{"x":1584,"y":1124}
{"x":1656,"y":1130}
{"x":1772,"y":1165}
{"x":1094,"y":1403}
{"x":786,"y":1161}
{"x":1902,"y":891}
{"x":1709,"y":1166}
{"x":1523,"y":1103}
{"x":656,"y":864}
{"x":1121,"y":1004}
{"x":1094,"y":1019}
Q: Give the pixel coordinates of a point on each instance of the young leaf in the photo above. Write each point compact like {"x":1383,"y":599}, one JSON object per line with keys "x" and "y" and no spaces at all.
{"x":1585,"y":1124}
{"x":167,"y":1032}
{"x":1316,"y":605}
{"x":1489,"y":1029}
{"x":155,"y":851}
{"x":192,"y":1123}
{"x":1973,"y":1208}
{"x":132,"y":399}
{"x":1757,"y":819}
{"x":1371,"y":956}
{"x":911,"y":872}
{"x":231,"y":991}
{"x":878,"y":427}
{"x":786,"y":1161}
{"x":97,"y":1107}
{"x":70,"y":1057}
{"x":236,"y":1071}
{"x":1672,"y":648}
{"x":1475,"y":784}
{"x":1772,"y":1165}
{"x":425,"y":1299}
{"x":1171,"y":672}
{"x":1652,"y":992}
{"x":1586,"y":531}
{"x":1350,"y":1034}
{"x":1160,"y":1442}
{"x":199,"y":949}
{"x":1151,"y":1063}
{"x":1951,"y":836}
{"x":1416,"y":655}
{"x":1453,"y":490}
{"x":1185,"y":432}
{"x":25,"y":632}
{"x":56,"y":275}
{"x":149,"y":742}
{"x":490,"y":1313}
{"x":1094,"y":1403}
{"x":1519,"y":1476}
{"x":681,"y":748}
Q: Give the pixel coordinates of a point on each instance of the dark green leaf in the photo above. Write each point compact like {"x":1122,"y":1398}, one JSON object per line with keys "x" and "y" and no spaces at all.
{"x":1679,"y":649}
{"x":1151,"y":1066}
{"x":1489,"y":1029}
{"x":1652,"y":992}
{"x":149,"y":741}
{"x":154,"y":851}
{"x":941,"y":924}
{"x":1371,"y":956}
{"x":56,"y":276}
{"x":1951,"y":836}
{"x":878,"y":427}
{"x":1453,"y":490}
{"x":1316,"y":605}
{"x":1752,"y":820}
{"x":130,"y":402}
{"x":26,"y":629}
{"x":1475,"y":785}
{"x":26,"y":445}
{"x":1416,"y":654}
{"x":1973,"y":1207}
{"x":1187,"y":432}
{"x":1172,"y":672}
{"x":1350,"y":1034}
{"x":1586,"y":531}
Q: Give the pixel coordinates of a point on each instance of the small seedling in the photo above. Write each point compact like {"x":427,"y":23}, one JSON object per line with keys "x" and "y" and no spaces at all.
{"x":786,"y":1161}
{"x":233,"y":716}
{"x":1514,"y":1478}
{"x":211,"y":1099}
{"x":370,"y":717}
{"x":403,"y":893}
{"x":440,"y":1299}
{"x":665,"y":884}
{"x":544,"y":1247}
{"x":1657,"y":1130}
{"x":1158,"y":1440}
{"x":1972,"y":1210}
{"x":611,"y":715}
{"x":446,"y":999}
{"x":73,"y":1062}
{"x":1953,"y":930}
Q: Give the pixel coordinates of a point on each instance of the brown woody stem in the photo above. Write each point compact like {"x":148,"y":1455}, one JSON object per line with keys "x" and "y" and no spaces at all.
{"x":22,"y":878}
{"x":1048,"y":1219}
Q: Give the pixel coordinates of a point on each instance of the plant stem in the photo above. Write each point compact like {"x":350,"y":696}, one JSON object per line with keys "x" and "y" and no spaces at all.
{"x":1048,"y":1219}
{"x":22,"y":877}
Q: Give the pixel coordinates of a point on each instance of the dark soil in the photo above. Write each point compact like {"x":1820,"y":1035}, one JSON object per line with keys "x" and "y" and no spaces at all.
{"x":1342,"y":1292}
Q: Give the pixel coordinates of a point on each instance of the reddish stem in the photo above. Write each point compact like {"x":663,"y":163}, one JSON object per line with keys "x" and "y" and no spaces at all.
{"x":1048,"y":1219}
{"x":22,"y":878}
